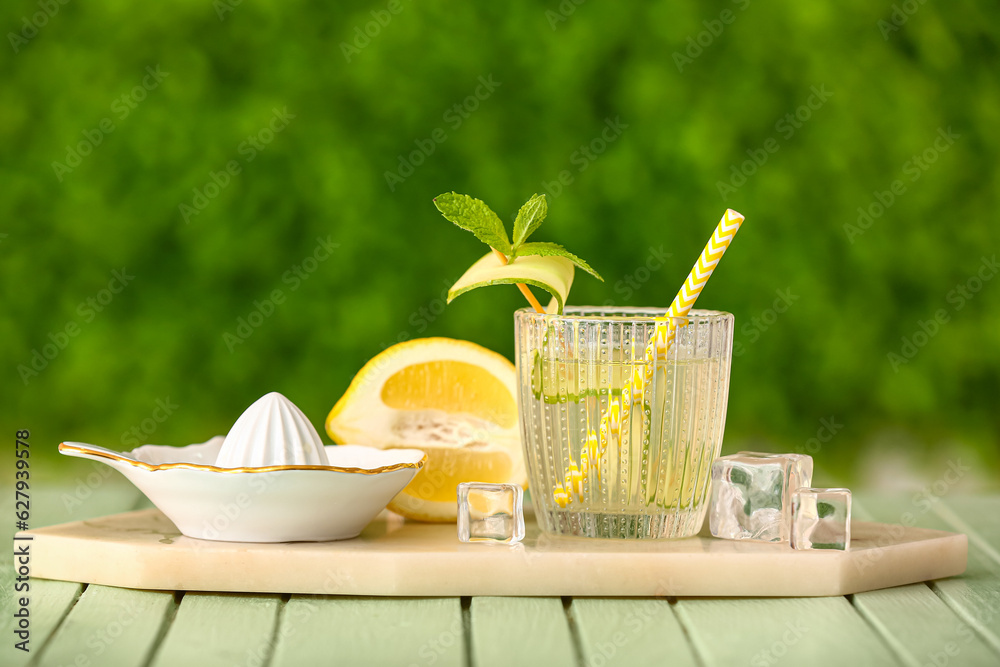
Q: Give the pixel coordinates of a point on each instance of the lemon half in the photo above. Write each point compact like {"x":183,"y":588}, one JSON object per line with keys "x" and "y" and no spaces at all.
{"x":451,"y":398}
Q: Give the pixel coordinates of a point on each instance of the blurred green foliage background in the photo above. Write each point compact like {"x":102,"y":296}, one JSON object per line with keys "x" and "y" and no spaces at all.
{"x":216,"y":151}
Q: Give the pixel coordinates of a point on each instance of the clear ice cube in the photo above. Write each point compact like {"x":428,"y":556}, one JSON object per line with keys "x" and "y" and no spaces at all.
{"x":765,"y":525}
{"x":490,"y":513}
{"x":821,"y":519}
{"x":751,"y":495}
{"x":801,"y":473}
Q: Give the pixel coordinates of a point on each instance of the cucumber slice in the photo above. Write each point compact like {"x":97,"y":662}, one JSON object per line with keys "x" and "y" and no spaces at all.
{"x":552,"y":274}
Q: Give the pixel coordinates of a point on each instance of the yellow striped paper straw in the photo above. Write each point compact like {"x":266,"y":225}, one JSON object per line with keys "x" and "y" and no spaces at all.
{"x":696,"y":280}
{"x":656,"y":350}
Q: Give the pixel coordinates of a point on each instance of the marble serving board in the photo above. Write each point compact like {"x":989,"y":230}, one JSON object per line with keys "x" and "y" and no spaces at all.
{"x":393,"y":557}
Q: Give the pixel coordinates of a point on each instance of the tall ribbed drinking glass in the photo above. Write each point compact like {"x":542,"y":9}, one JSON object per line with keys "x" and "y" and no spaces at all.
{"x":607,"y":454}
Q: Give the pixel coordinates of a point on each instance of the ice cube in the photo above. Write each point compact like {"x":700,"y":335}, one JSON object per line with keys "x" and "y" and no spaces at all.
{"x":765,"y":525}
{"x":821,"y":519}
{"x":490,"y":513}
{"x":801,"y":473}
{"x":751,"y":495}
{"x":727,"y":510}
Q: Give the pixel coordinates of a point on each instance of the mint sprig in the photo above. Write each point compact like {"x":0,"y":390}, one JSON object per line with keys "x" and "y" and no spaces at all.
{"x":475,"y":216}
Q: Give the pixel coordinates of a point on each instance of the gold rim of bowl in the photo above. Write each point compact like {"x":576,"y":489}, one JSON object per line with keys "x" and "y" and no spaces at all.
{"x":153,"y":467}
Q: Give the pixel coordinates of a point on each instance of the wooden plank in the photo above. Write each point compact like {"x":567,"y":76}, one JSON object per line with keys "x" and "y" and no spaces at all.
{"x":364,"y":631}
{"x":802,"y":631}
{"x":111,"y":627}
{"x":222,"y":630}
{"x":49,"y":603}
{"x":975,"y":595}
{"x":630,"y":632}
{"x":921,"y":629}
{"x":976,"y":516}
{"x":520,"y":631}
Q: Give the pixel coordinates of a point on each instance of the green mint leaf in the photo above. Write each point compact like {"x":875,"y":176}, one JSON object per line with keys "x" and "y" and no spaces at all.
{"x":474,"y":216}
{"x":529,"y":218}
{"x":555,"y":250}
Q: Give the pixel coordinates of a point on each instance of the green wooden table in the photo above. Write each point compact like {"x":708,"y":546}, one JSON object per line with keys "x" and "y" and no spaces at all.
{"x":948,"y":622}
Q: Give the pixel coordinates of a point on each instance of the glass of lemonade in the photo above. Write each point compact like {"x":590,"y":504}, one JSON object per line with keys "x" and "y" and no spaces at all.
{"x":617,"y":446}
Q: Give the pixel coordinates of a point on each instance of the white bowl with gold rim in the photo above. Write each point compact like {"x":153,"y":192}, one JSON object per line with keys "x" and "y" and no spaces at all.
{"x":278,"y":503}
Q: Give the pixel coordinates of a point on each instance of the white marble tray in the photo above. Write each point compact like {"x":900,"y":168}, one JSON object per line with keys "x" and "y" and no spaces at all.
{"x":143,"y":549}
